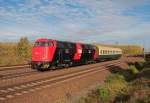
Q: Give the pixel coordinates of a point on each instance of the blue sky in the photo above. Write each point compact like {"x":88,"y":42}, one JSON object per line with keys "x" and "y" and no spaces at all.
{"x":103,"y":21}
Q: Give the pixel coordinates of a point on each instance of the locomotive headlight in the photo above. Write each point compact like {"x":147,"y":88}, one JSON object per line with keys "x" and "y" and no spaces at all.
{"x":45,"y":66}
{"x":89,"y":51}
{"x":79,"y":50}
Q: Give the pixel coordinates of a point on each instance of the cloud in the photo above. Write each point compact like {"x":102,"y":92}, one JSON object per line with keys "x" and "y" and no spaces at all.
{"x":76,"y":20}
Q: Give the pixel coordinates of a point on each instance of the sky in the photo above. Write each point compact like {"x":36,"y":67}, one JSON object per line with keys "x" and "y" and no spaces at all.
{"x":102,"y":21}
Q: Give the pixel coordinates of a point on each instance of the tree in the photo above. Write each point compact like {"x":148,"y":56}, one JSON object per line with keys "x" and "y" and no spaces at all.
{"x":24,"y":48}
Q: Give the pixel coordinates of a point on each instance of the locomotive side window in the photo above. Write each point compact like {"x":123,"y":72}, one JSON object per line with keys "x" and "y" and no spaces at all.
{"x":43,"y":44}
{"x":60,"y":44}
{"x":71,"y":45}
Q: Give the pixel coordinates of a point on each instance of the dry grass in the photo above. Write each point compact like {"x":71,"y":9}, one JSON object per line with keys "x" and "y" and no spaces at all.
{"x":9,"y":54}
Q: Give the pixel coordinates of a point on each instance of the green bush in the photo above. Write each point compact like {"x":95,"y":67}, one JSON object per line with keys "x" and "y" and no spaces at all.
{"x":104,"y":93}
{"x":140,"y":65}
{"x":139,"y":101}
{"x":133,"y":69}
{"x":114,"y":78}
{"x":114,"y":84}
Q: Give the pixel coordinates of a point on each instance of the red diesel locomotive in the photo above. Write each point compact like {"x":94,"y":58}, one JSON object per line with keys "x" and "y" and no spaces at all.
{"x":49,"y":54}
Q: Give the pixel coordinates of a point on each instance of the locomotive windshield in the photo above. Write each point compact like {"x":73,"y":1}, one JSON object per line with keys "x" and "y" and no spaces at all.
{"x":43,"y":44}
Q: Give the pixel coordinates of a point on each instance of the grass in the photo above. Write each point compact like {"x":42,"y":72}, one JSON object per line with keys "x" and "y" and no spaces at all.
{"x":133,"y":70}
{"x":15,"y":53}
{"x":140,"y":65}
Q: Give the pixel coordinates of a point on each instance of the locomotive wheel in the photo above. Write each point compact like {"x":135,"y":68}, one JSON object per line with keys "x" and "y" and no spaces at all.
{"x":53,"y":67}
{"x":40,"y":69}
{"x":71,"y":64}
{"x":33,"y":67}
{"x":66,"y":65}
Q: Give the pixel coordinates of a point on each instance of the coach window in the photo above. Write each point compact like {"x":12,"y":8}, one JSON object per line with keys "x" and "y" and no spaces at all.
{"x":101,"y":52}
{"x":110,"y":52}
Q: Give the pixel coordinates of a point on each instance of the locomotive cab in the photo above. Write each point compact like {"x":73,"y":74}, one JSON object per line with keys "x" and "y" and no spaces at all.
{"x":42,"y":53}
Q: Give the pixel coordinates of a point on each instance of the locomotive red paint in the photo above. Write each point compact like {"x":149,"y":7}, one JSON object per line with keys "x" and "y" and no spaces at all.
{"x":43,"y":53}
{"x":48,"y":53}
{"x":78,"y":53}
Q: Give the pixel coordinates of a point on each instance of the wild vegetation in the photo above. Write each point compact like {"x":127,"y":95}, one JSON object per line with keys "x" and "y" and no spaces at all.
{"x":123,"y":86}
{"x":15,"y":53}
{"x":131,"y":49}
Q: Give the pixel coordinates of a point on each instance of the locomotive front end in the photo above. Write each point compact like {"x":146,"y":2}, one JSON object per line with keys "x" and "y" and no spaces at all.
{"x":42,"y":54}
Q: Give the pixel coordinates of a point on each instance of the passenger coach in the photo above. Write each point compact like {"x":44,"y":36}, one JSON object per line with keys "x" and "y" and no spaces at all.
{"x":108,"y":53}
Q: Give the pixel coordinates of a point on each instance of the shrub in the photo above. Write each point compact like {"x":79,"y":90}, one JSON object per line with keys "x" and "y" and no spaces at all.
{"x":114,"y":78}
{"x":139,"y":101}
{"x":133,"y":69}
{"x":114,"y":84}
{"x":24,"y":48}
{"x":104,"y":93}
{"x":140,"y":65}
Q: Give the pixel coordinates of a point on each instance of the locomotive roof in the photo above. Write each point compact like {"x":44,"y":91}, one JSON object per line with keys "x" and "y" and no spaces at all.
{"x":45,"y":39}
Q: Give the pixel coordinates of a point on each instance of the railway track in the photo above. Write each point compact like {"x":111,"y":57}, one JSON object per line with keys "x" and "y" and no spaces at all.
{"x":20,"y":74}
{"x":11,"y":75}
{"x":12,"y":91}
{"x":14,"y":67}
